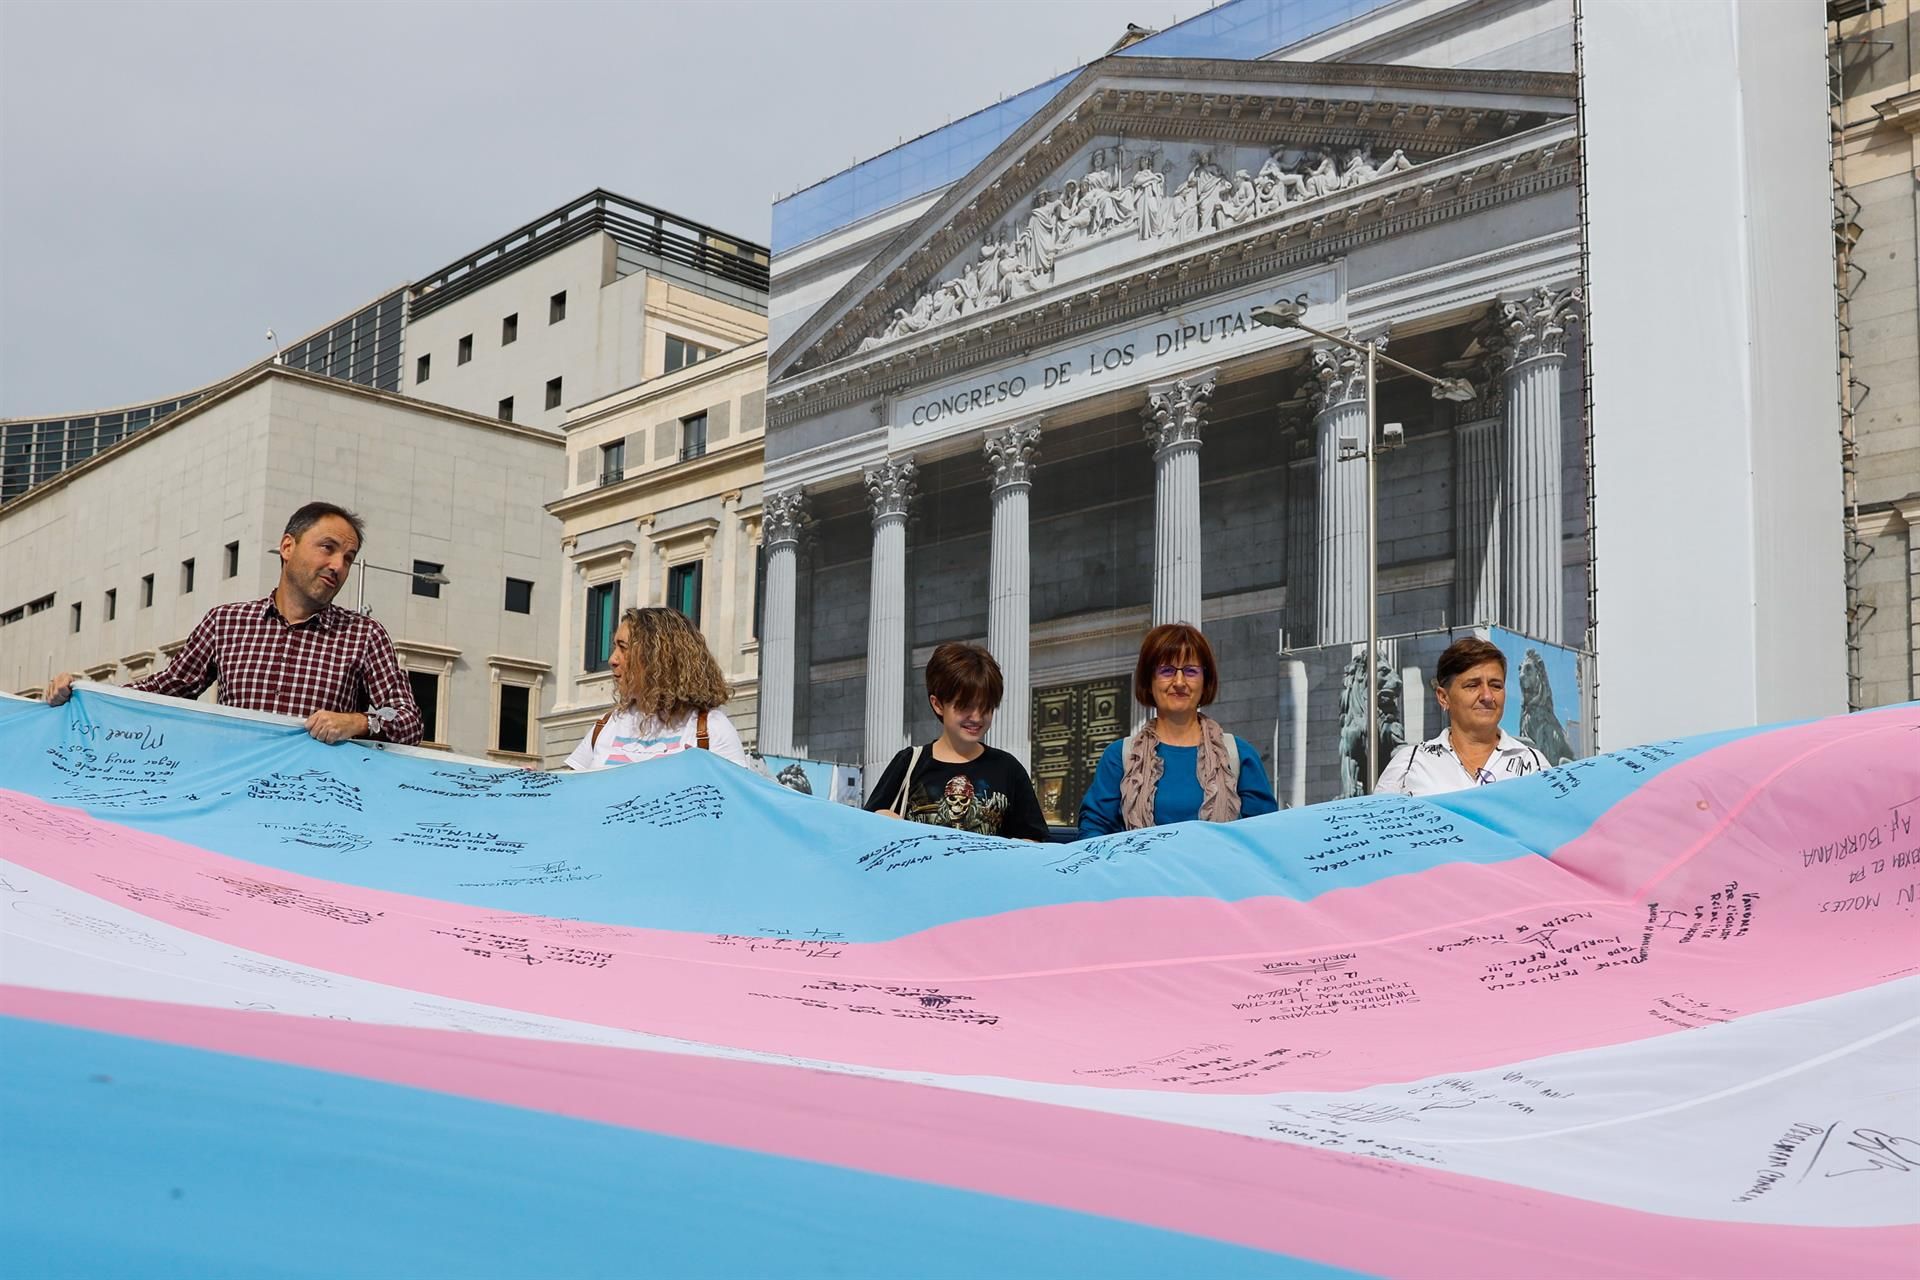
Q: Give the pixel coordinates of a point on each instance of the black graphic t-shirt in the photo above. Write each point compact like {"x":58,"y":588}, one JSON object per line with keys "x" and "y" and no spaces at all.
{"x":989,"y":795}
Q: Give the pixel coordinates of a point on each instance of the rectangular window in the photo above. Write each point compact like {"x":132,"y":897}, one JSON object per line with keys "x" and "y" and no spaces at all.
{"x":516,"y":702}
{"x":427,"y":579}
{"x":423,"y":368}
{"x":681,"y":353}
{"x":146,"y":591}
{"x":41,"y":605}
{"x":233,"y":559}
{"x":426,"y":694}
{"x":464,"y":353}
{"x":186,"y":577}
{"x":506,"y":409}
{"x":113,"y":603}
{"x":613,"y":462}
{"x":557,"y":307}
{"x":510,"y":329}
{"x":693,"y":436}
{"x":603,"y":616}
{"x":519,"y":595}
{"x":76,"y":616}
{"x":683,"y":590}
{"x":553,"y":393}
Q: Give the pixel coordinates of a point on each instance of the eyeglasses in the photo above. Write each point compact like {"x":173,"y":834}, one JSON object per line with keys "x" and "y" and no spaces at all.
{"x":1168,"y":673}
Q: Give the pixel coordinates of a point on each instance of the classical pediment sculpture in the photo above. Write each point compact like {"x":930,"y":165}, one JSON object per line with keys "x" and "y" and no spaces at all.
{"x":1112,"y":201}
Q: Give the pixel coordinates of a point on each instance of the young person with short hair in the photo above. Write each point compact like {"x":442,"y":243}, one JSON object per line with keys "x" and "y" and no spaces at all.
{"x":667,"y":695}
{"x":959,"y":781}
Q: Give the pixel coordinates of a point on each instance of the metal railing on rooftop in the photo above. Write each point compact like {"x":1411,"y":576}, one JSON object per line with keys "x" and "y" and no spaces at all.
{"x":653,"y":231}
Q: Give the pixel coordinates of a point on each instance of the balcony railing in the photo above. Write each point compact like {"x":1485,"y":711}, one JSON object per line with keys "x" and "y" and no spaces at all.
{"x":612,"y":476}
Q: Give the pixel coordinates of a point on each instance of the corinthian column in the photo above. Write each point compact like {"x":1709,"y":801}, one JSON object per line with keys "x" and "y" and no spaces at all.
{"x":1531,"y":343}
{"x":1173,"y":421}
{"x":890,"y":493}
{"x":1340,"y":567}
{"x":781,"y":515}
{"x":1010,"y":456}
{"x":1477,"y":430}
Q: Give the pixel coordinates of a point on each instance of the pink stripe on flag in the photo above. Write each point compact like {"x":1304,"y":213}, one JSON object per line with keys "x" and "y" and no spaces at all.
{"x":1266,"y":1195}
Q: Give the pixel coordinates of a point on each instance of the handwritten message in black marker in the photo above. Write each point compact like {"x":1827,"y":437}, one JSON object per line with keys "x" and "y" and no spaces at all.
{"x":886,"y":1000}
{"x":676,"y":808}
{"x":319,"y":835}
{"x":310,"y":786}
{"x":280,"y":895}
{"x":475,"y":783}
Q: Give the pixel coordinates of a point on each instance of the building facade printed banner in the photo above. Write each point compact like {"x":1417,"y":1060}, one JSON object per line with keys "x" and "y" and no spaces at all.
{"x":490,"y":1017}
{"x":1179,"y":341}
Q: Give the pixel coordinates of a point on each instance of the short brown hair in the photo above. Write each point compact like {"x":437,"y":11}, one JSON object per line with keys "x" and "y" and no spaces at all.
{"x":965,"y":676}
{"x":1163,"y":647}
{"x":1465,"y":654}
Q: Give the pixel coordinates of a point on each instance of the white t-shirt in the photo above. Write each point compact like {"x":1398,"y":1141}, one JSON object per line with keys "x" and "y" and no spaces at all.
{"x":1431,"y":768}
{"x":629,"y":737}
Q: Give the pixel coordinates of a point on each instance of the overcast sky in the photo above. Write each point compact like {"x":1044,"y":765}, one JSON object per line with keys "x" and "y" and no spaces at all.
{"x":176,"y":177}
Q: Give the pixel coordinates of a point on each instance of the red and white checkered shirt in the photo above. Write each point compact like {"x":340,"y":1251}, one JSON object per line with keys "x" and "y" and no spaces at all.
{"x":337,"y":660}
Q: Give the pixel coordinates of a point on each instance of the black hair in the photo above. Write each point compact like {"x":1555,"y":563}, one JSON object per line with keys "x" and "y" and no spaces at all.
{"x":314,"y":512}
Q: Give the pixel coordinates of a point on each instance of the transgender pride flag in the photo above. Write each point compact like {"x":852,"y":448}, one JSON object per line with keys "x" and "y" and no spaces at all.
{"x":271,"y":1007}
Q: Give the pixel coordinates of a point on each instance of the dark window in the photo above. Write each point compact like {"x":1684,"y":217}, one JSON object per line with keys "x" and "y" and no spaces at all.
{"x":515,"y":702}
{"x":557,"y":307}
{"x":603,"y":616}
{"x":681,"y":353}
{"x":41,"y":605}
{"x":233,"y":559}
{"x":519,"y":595}
{"x":613,"y":462}
{"x":683,"y":590}
{"x":426,"y":579}
{"x":693,"y":436}
{"x":146,"y":591}
{"x":13,"y":615}
{"x":76,"y":615}
{"x":186,"y":577}
{"x":113,"y":604}
{"x":553,"y":393}
{"x":426,"y":695}
{"x":465,"y":352}
{"x":506,"y":409}
{"x":510,"y":329}
{"x":423,"y":368}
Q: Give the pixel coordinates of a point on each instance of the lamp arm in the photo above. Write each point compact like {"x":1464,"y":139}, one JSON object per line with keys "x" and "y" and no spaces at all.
{"x":1359,"y":348}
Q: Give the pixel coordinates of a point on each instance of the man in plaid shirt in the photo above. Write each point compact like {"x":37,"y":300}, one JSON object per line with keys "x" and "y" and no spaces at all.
{"x":296,"y":652}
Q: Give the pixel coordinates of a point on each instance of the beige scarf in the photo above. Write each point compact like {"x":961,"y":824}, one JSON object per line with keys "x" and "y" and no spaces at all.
{"x":1141,"y":779}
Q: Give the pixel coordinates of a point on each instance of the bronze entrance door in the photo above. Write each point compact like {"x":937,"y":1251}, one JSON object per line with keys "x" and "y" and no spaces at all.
{"x":1072,"y":725}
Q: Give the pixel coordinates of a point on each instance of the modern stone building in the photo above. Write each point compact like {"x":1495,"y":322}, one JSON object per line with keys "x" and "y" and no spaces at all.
{"x":662,"y":507}
{"x":1018,"y":393}
{"x":578,"y":307}
{"x":1875,"y":51}
{"x":109,"y":565}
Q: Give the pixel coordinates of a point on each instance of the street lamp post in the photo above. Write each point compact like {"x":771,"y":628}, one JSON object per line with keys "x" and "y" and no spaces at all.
{"x":360,"y":604}
{"x":1290,"y":313}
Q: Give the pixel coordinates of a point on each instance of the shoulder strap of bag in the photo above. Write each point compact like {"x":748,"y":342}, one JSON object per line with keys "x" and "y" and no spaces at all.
{"x":700,"y":732}
{"x":900,"y":801}
{"x":598,"y":725}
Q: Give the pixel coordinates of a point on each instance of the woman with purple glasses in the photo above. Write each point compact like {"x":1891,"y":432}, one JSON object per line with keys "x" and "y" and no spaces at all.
{"x":1180,"y":765}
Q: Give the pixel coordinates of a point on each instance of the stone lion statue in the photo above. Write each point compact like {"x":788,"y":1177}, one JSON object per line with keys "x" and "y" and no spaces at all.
{"x":1540,"y":725}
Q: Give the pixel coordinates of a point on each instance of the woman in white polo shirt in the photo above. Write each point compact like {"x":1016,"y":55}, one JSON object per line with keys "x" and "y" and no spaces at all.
{"x":667,"y":696}
{"x":1473,"y":750}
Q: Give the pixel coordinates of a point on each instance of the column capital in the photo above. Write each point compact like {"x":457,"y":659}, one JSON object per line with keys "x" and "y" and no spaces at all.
{"x":1338,"y":376}
{"x":1172,"y":417}
{"x":781,"y":517}
{"x":1531,"y":327}
{"x":890,"y":489}
{"x":1011,"y":454}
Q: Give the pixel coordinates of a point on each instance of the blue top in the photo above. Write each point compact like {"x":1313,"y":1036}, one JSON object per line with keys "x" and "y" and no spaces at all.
{"x":1178,"y":797}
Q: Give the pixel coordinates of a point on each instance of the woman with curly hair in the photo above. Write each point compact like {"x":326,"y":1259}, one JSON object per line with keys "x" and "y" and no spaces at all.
{"x":667,"y":695}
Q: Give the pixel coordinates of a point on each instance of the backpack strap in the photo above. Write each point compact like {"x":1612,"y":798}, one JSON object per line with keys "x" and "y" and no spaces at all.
{"x":906,"y":780}
{"x":700,"y":732}
{"x":598,"y":725}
